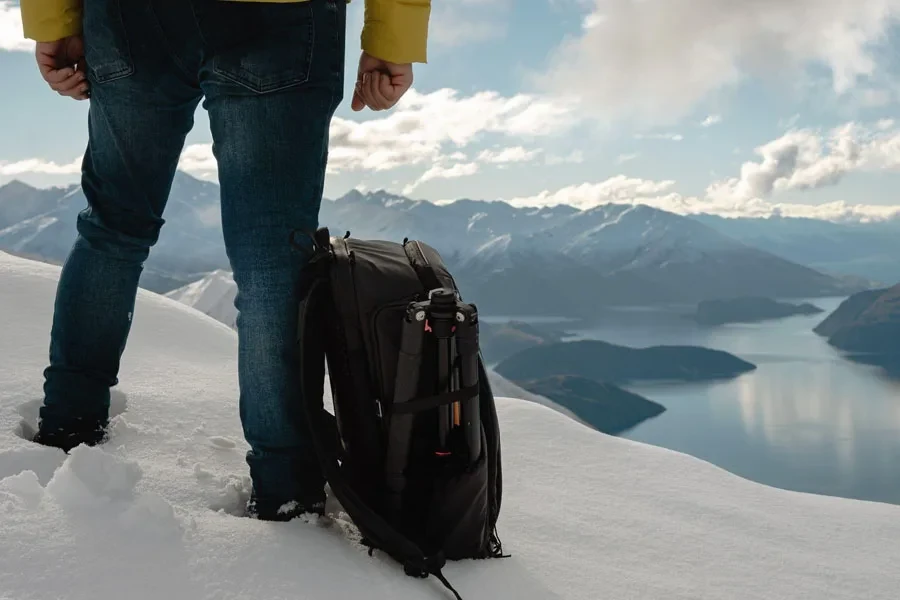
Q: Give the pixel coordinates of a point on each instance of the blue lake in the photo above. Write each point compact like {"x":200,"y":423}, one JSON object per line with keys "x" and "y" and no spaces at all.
{"x":807,"y":419}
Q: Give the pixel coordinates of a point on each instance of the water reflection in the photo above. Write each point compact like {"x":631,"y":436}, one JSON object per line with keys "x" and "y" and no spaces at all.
{"x":807,"y":419}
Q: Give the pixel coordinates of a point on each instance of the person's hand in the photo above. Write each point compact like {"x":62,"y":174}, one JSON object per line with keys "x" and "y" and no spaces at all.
{"x":62,"y":66}
{"x":380,"y":84}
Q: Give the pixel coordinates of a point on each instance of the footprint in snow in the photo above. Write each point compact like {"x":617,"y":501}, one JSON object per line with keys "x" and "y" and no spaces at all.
{"x":29,"y":412}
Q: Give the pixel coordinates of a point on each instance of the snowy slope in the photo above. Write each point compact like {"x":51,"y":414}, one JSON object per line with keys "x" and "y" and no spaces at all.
{"x":586,"y":516}
{"x":213,"y":295}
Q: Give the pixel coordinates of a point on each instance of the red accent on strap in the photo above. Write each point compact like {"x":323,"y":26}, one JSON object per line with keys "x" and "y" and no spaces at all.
{"x":427,"y":326}
{"x":443,"y":453}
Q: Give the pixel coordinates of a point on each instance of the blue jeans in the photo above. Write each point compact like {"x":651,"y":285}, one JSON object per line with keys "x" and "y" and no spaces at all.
{"x":270,"y":76}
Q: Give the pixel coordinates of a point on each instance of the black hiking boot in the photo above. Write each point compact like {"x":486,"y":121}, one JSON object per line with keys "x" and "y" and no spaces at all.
{"x":92,"y":434}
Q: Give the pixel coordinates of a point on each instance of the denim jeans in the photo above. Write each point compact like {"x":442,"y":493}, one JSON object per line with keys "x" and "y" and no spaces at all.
{"x":270,"y":76}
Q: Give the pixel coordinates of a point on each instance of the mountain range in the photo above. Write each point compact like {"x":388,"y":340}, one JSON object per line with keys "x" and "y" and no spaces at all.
{"x":558,"y":261}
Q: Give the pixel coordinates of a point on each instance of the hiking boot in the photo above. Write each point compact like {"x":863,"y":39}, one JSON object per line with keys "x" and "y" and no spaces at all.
{"x":284,"y":511}
{"x":92,"y":434}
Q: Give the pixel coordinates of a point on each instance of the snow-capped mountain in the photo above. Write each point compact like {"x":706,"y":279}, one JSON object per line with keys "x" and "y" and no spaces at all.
{"x":156,"y":511}
{"x":866,"y":250}
{"x":556,"y":260}
{"x":190,"y":242}
{"x":213,"y":295}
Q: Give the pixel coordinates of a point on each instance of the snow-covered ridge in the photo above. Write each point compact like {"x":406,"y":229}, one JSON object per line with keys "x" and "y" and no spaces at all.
{"x":151,"y":514}
{"x":212,"y":295}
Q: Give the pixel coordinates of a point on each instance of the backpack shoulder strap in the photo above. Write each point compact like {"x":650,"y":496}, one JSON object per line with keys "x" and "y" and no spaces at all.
{"x":379,"y":533}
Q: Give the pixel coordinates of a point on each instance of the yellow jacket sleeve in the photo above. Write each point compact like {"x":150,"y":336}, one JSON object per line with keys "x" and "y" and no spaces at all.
{"x":51,"y":20}
{"x":394,"y":30}
{"x":397,"y":30}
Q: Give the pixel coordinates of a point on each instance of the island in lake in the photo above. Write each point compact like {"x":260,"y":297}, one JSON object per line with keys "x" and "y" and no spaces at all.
{"x":749,"y":309}
{"x":867,"y":326}
{"x":603,"y":406}
{"x":602,"y":361}
{"x":500,"y":341}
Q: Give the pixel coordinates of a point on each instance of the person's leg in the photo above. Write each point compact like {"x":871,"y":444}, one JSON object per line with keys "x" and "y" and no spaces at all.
{"x":271,"y":92}
{"x":140,"y":112}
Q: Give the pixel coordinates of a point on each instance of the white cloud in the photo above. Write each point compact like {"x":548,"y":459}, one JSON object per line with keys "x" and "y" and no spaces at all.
{"x":198,"y":160}
{"x":39,"y":166}
{"x":574,"y":157}
{"x":803,"y":159}
{"x":654,"y":61}
{"x":423,"y":128}
{"x":799,"y":160}
{"x":624,"y":158}
{"x":659,"y":194}
{"x":508,"y":155}
{"x":711,"y":120}
{"x":11,"y":36}
{"x":672,"y":137}
{"x":440,"y":171}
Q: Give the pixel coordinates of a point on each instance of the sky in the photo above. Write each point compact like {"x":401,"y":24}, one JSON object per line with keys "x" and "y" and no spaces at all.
{"x":733,"y":107}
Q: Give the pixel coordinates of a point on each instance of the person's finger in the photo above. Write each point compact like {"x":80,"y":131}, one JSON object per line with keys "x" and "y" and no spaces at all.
{"x":357,"y":104}
{"x":377,"y":97}
{"x":53,"y":75}
{"x":69,"y":84}
{"x":365,"y":90}
{"x":388,"y":91}
{"x":80,"y":92}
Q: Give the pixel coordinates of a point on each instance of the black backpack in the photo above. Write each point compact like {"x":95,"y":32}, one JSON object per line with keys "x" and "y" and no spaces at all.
{"x":412,"y":451}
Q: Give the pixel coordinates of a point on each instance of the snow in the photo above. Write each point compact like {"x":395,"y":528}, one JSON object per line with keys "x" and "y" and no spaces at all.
{"x":152,"y":513}
{"x":213,"y":295}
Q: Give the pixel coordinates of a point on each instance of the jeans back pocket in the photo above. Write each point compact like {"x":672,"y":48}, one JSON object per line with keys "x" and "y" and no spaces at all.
{"x":276,"y":50}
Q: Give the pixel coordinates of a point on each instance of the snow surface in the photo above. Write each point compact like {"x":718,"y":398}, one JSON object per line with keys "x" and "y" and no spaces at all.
{"x":151,"y":514}
{"x":212,"y":295}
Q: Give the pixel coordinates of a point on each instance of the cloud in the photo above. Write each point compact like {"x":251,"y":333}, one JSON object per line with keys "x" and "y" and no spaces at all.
{"x":659,"y":194}
{"x":587,"y":195}
{"x":40,"y":167}
{"x":711,"y":120}
{"x":672,"y":137}
{"x":198,"y":160}
{"x":424,"y":128}
{"x":655,"y":61}
{"x":512,"y":154}
{"x":624,"y":158}
{"x":799,"y":160}
{"x":804,"y":159}
{"x":441,"y":171}
{"x":574,"y":157}
{"x":11,"y":36}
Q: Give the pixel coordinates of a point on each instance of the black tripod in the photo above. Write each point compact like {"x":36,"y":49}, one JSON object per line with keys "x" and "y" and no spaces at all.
{"x":454,"y":326}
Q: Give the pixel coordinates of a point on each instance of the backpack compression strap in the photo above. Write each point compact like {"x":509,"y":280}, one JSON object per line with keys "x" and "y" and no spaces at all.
{"x":312,"y":376}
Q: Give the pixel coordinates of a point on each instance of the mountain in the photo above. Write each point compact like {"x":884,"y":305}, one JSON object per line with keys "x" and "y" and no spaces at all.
{"x":848,"y":312}
{"x":867,"y":323}
{"x":607,"y":362}
{"x":213,"y":295}
{"x":603,"y":406}
{"x":556,"y":261}
{"x":19,"y":201}
{"x":750,"y":309}
{"x":866,"y":250}
{"x":190,"y":243}
{"x":622,"y":254}
{"x":154,"y":512}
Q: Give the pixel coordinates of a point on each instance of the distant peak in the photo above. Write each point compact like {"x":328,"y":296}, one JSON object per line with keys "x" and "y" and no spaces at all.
{"x":17,"y":186}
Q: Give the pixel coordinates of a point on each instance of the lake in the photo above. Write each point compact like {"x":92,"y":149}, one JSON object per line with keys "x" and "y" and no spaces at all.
{"x":807,"y":419}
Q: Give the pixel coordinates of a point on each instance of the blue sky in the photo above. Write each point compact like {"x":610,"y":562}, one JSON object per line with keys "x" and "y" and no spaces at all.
{"x":724,"y":106}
